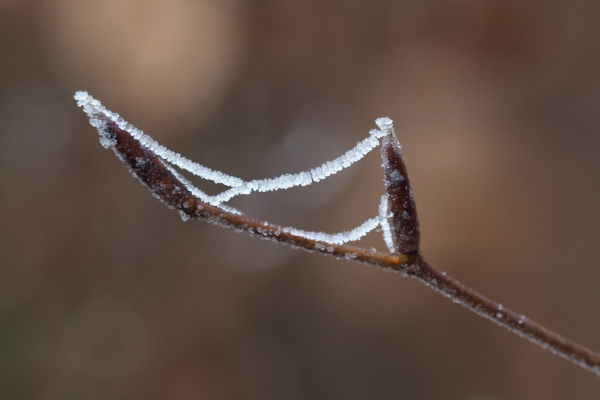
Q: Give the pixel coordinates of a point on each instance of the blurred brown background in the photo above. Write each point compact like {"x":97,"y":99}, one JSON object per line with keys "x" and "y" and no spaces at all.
{"x":106,"y":294}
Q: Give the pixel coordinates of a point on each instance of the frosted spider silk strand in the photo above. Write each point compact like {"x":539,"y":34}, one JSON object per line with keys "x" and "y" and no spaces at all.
{"x":385,"y":226}
{"x":94,"y":109}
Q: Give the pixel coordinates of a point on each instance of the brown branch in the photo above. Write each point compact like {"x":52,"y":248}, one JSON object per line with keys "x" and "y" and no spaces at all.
{"x":152,"y":172}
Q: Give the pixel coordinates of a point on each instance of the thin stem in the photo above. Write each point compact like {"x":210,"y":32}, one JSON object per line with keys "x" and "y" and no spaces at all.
{"x":495,"y":312}
{"x":152,"y":172}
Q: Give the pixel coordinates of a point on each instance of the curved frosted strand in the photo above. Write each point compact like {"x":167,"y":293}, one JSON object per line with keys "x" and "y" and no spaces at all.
{"x":190,"y":166}
{"x":305,"y":178}
{"x":93,"y":107}
{"x":385,"y":226}
{"x":196,"y":192}
{"x":337,"y":238}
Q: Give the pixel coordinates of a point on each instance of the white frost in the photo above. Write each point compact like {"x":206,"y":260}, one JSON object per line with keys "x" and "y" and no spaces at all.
{"x":94,"y":109}
{"x":385,"y":226}
{"x":337,"y":238}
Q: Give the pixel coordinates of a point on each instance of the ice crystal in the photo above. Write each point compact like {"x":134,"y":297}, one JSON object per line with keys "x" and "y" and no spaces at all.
{"x":99,"y":115}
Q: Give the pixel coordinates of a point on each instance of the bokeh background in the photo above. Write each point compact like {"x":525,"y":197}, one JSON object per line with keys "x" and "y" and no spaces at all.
{"x":106,"y":294}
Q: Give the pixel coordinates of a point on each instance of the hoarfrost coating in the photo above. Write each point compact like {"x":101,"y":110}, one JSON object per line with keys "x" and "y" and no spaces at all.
{"x":98,"y":113}
{"x":385,"y":227}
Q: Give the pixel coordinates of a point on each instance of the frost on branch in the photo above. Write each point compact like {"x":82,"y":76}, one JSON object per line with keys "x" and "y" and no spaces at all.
{"x":151,"y":163}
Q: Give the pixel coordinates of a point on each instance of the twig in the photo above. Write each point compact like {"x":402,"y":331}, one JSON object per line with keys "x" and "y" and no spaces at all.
{"x":167,"y":187}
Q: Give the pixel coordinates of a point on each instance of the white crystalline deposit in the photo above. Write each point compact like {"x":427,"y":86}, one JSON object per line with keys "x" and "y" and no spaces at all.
{"x":305,"y":178}
{"x":94,"y":109}
{"x":385,"y":226}
{"x":386,"y":125}
{"x":338,"y":238}
{"x":356,"y":233}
